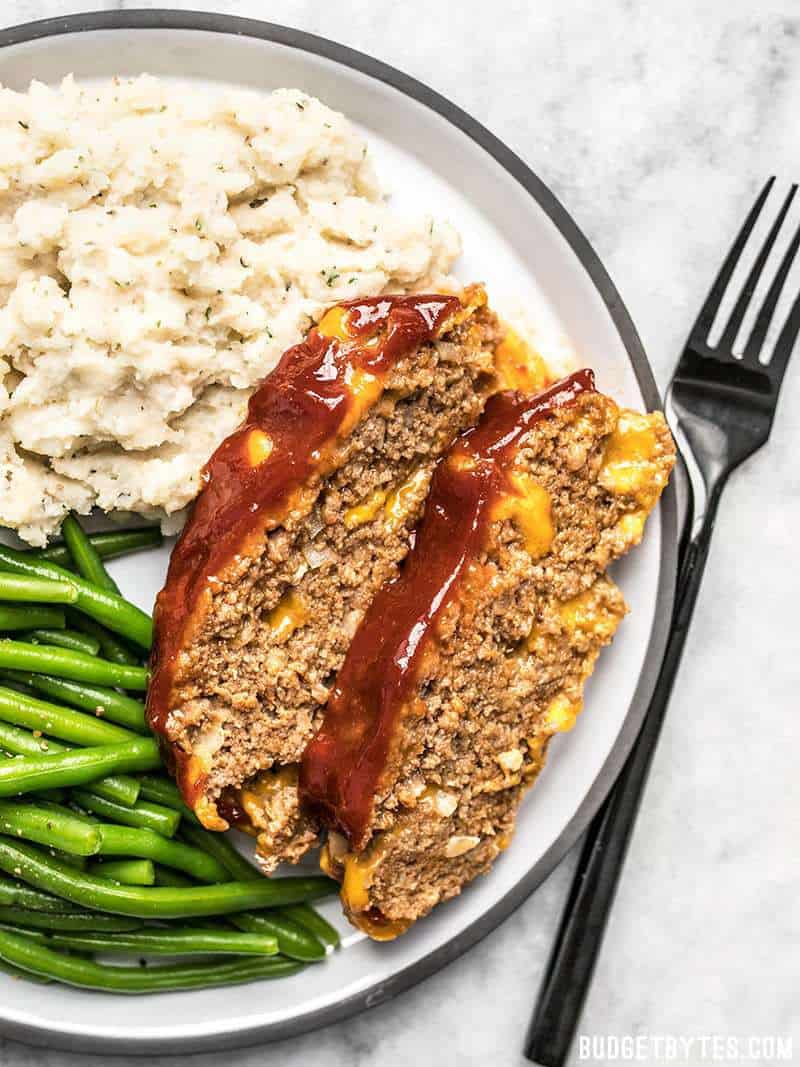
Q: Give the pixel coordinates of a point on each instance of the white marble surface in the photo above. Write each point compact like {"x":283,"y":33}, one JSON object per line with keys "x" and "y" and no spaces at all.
{"x":654,"y":123}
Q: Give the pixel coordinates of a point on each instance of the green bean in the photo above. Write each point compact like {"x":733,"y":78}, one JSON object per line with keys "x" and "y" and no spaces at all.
{"x":118,"y":787}
{"x":108,"y":608}
{"x":16,"y":655}
{"x":76,"y":921}
{"x":76,"y":766}
{"x":23,"y":743}
{"x":130,"y":841}
{"x":30,"y":955}
{"x":101,"y":701}
{"x":55,"y":796}
{"x":90,"y":646}
{"x":17,"y":972}
{"x":31,"y":865}
{"x":48,"y":827}
{"x":78,"y":863}
{"x":85,"y":556}
{"x":15,"y":895}
{"x":126,"y":872}
{"x":60,"y":722}
{"x":168,"y":876}
{"x":73,"y":811}
{"x":311,"y":920}
{"x":293,"y":940}
{"x":108,"y":545}
{"x":222,"y":850}
{"x":163,"y":791}
{"x":187,"y":940}
{"x":36,"y":590}
{"x":140,"y":939}
{"x":112,"y":648}
{"x":18,"y":687}
{"x":17,"y":617}
{"x":142,"y":814}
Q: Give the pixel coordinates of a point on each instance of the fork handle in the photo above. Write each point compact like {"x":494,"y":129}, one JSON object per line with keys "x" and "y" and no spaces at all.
{"x":580,"y":934}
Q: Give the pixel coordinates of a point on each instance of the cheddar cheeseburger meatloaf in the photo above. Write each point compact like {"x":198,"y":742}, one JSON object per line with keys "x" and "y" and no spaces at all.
{"x":306,"y":511}
{"x":476,"y":653}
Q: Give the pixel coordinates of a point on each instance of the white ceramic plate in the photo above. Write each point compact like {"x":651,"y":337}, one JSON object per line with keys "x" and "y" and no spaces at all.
{"x":521,"y":242}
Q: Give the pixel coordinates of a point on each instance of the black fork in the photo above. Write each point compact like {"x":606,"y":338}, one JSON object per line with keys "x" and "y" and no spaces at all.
{"x":725,"y":405}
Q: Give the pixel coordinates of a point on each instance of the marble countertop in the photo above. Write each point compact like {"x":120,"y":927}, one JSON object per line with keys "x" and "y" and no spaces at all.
{"x":654,"y":124}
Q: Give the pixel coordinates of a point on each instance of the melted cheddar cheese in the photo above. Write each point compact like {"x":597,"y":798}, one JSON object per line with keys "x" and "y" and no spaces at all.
{"x":364,"y":389}
{"x":359,"y":872}
{"x":628,"y":460}
{"x":518,"y":366}
{"x":396,"y":503}
{"x":584,"y":613}
{"x":401,"y":500}
{"x":259,"y":795}
{"x":528,"y":506}
{"x":562,"y":713}
{"x":366,"y":510}
{"x":259,"y":447}
{"x":287,"y":616}
{"x":334,"y":323}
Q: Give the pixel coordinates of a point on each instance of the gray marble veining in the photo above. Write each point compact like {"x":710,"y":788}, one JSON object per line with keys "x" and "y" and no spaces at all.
{"x":654,"y":123}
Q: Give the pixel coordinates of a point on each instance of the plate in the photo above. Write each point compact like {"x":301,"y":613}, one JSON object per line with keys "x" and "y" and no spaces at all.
{"x":518,"y":239}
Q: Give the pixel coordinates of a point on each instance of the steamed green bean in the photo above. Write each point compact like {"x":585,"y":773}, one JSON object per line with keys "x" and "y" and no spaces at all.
{"x":143,"y":814}
{"x":112,"y":648}
{"x":46,"y":826}
{"x":109,"y":545}
{"x":76,"y":766}
{"x":134,"y":841}
{"x":44,"y":872}
{"x":23,"y":952}
{"x":100,"y":700}
{"x":32,"y":589}
{"x":78,"y":642}
{"x":292,"y":939}
{"x":85,"y":556}
{"x":312,"y":921}
{"x":107,"y":608}
{"x":126,"y":872}
{"x":182,"y":941}
{"x":117,"y":787}
{"x":17,"y":895}
{"x":222,"y":850}
{"x":30,"y":616}
{"x":17,"y":655}
{"x":57,"y":721}
{"x":169,"y":876}
{"x":68,"y":921}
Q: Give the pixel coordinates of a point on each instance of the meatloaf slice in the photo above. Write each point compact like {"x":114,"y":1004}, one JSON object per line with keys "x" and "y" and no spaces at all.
{"x":476,"y":654}
{"x":307,"y":509}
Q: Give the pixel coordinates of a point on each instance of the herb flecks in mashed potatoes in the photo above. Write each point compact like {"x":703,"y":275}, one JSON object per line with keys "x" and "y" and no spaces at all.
{"x":160,"y":246}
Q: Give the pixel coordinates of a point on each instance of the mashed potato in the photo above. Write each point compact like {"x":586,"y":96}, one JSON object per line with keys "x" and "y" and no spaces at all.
{"x":160,"y":247}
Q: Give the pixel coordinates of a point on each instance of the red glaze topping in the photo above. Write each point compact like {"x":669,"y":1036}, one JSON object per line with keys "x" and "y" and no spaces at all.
{"x":294,"y":422}
{"x":231,"y":810}
{"x":343,"y":765}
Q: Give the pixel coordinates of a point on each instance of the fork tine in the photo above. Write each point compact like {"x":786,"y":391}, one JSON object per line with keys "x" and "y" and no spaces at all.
{"x":784,"y":346}
{"x":705,"y":319}
{"x":733,"y":325}
{"x":755,"y":342}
